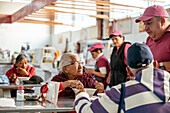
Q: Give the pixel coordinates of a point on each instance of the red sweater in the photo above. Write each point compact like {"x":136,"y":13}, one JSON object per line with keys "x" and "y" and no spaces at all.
{"x":30,"y":70}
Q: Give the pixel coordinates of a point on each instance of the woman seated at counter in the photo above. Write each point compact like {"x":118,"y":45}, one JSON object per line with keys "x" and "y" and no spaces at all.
{"x":20,"y":69}
{"x":71,"y":75}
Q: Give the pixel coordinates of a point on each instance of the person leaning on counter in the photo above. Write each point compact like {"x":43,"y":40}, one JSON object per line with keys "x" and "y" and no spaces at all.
{"x":157,"y":26}
{"x":148,"y":92}
{"x":20,"y":69}
{"x":71,"y":75}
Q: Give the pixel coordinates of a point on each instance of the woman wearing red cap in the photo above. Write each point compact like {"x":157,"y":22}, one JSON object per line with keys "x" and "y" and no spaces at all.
{"x":118,"y":61}
{"x":102,"y":66}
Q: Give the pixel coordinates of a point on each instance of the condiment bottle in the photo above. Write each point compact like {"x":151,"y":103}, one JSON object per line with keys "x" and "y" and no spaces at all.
{"x":20,"y":93}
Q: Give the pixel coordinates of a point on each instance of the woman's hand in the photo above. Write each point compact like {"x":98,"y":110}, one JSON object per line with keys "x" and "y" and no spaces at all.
{"x":13,"y":77}
{"x":81,"y":90}
{"x":89,"y":70}
{"x":73,"y":83}
{"x":100,"y":87}
{"x":22,"y":71}
{"x":108,"y":79}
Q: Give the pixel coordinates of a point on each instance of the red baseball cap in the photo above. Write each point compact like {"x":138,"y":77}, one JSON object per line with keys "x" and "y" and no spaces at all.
{"x":152,"y":11}
{"x":116,"y":33}
{"x":96,"y":46}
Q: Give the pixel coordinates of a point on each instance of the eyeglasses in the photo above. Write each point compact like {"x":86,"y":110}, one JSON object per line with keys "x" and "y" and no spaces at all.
{"x":75,"y":63}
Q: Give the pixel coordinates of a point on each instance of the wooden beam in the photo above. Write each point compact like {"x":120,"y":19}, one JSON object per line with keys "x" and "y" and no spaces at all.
{"x":98,"y":7}
{"x":35,"y":5}
{"x":5,"y":18}
{"x":154,"y":1}
{"x":98,"y":10}
{"x":41,"y":22}
{"x":40,"y":16}
{"x":95,"y":16}
{"x":99,"y":2}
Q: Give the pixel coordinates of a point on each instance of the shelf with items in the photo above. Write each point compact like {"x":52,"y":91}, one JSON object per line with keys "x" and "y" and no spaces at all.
{"x":43,"y":57}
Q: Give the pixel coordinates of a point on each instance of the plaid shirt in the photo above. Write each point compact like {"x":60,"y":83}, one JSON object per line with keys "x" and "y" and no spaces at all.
{"x":86,"y":79}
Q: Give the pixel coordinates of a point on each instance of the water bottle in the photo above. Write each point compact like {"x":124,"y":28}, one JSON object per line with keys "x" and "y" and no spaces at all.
{"x":20,"y":93}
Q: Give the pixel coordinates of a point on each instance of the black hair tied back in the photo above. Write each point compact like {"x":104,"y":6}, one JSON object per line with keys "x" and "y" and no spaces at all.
{"x":20,"y":57}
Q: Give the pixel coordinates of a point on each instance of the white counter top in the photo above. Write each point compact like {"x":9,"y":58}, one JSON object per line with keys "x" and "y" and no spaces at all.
{"x":63,"y":105}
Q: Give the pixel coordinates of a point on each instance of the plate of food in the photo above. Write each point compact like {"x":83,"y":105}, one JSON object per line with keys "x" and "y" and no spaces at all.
{"x":90,"y":91}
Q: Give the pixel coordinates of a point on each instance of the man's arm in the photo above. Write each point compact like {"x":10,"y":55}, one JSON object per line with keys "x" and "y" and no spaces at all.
{"x":105,"y":104}
{"x":167,"y":65}
{"x":99,"y":74}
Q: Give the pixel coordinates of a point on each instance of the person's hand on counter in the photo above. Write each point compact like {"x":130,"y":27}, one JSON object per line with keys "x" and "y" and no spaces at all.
{"x":89,"y":70}
{"x":81,"y":90}
{"x":99,"y":86}
{"x":13,"y":77}
{"x":73,"y":83}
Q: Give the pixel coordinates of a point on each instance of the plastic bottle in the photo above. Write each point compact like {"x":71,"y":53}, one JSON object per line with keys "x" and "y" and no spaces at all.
{"x":20,"y":93}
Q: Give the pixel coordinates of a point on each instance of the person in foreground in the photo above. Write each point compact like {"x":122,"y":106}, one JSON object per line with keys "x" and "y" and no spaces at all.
{"x":71,"y":75}
{"x":157,"y":26}
{"x":102,"y":66}
{"x":148,"y":92}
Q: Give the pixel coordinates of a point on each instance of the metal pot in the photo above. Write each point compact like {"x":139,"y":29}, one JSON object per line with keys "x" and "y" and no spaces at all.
{"x":32,"y":96}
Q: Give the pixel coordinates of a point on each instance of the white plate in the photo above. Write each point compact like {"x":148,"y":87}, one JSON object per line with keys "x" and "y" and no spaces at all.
{"x":93,"y":98}
{"x":100,"y":94}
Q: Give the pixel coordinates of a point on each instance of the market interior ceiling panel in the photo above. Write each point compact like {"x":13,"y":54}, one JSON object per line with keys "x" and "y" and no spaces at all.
{"x":16,"y":10}
{"x":46,"y":11}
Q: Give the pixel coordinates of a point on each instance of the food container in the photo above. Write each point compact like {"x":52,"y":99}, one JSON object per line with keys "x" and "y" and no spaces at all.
{"x":32,"y":96}
{"x":20,"y":80}
{"x":90,"y":91}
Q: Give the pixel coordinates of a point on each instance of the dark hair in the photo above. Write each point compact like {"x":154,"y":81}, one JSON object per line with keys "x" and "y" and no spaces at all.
{"x":20,"y":57}
{"x":123,"y":38}
{"x":97,"y":50}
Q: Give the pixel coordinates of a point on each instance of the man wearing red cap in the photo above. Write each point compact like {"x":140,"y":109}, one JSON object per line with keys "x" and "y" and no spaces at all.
{"x":157,"y":26}
{"x":102,"y":66}
{"x":118,"y":61}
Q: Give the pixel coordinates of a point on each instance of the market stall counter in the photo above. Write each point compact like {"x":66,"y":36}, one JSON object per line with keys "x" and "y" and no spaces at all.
{"x":64,"y":104}
{"x":5,"y":88}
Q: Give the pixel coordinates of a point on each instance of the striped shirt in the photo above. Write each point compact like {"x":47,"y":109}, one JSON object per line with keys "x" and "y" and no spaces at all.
{"x":148,"y":93}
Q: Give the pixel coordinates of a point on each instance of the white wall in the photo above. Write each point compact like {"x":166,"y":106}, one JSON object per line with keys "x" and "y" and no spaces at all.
{"x":135,"y":35}
{"x":12,"y":36}
{"x":59,"y":40}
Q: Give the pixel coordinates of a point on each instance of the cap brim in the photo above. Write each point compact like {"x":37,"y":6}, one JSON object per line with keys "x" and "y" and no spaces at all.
{"x":115,"y":34}
{"x":91,"y":49}
{"x":28,"y":82}
{"x":143,"y":18}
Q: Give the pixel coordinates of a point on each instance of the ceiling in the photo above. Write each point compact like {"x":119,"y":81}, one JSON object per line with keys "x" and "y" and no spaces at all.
{"x":12,"y":11}
{"x":45,"y":11}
